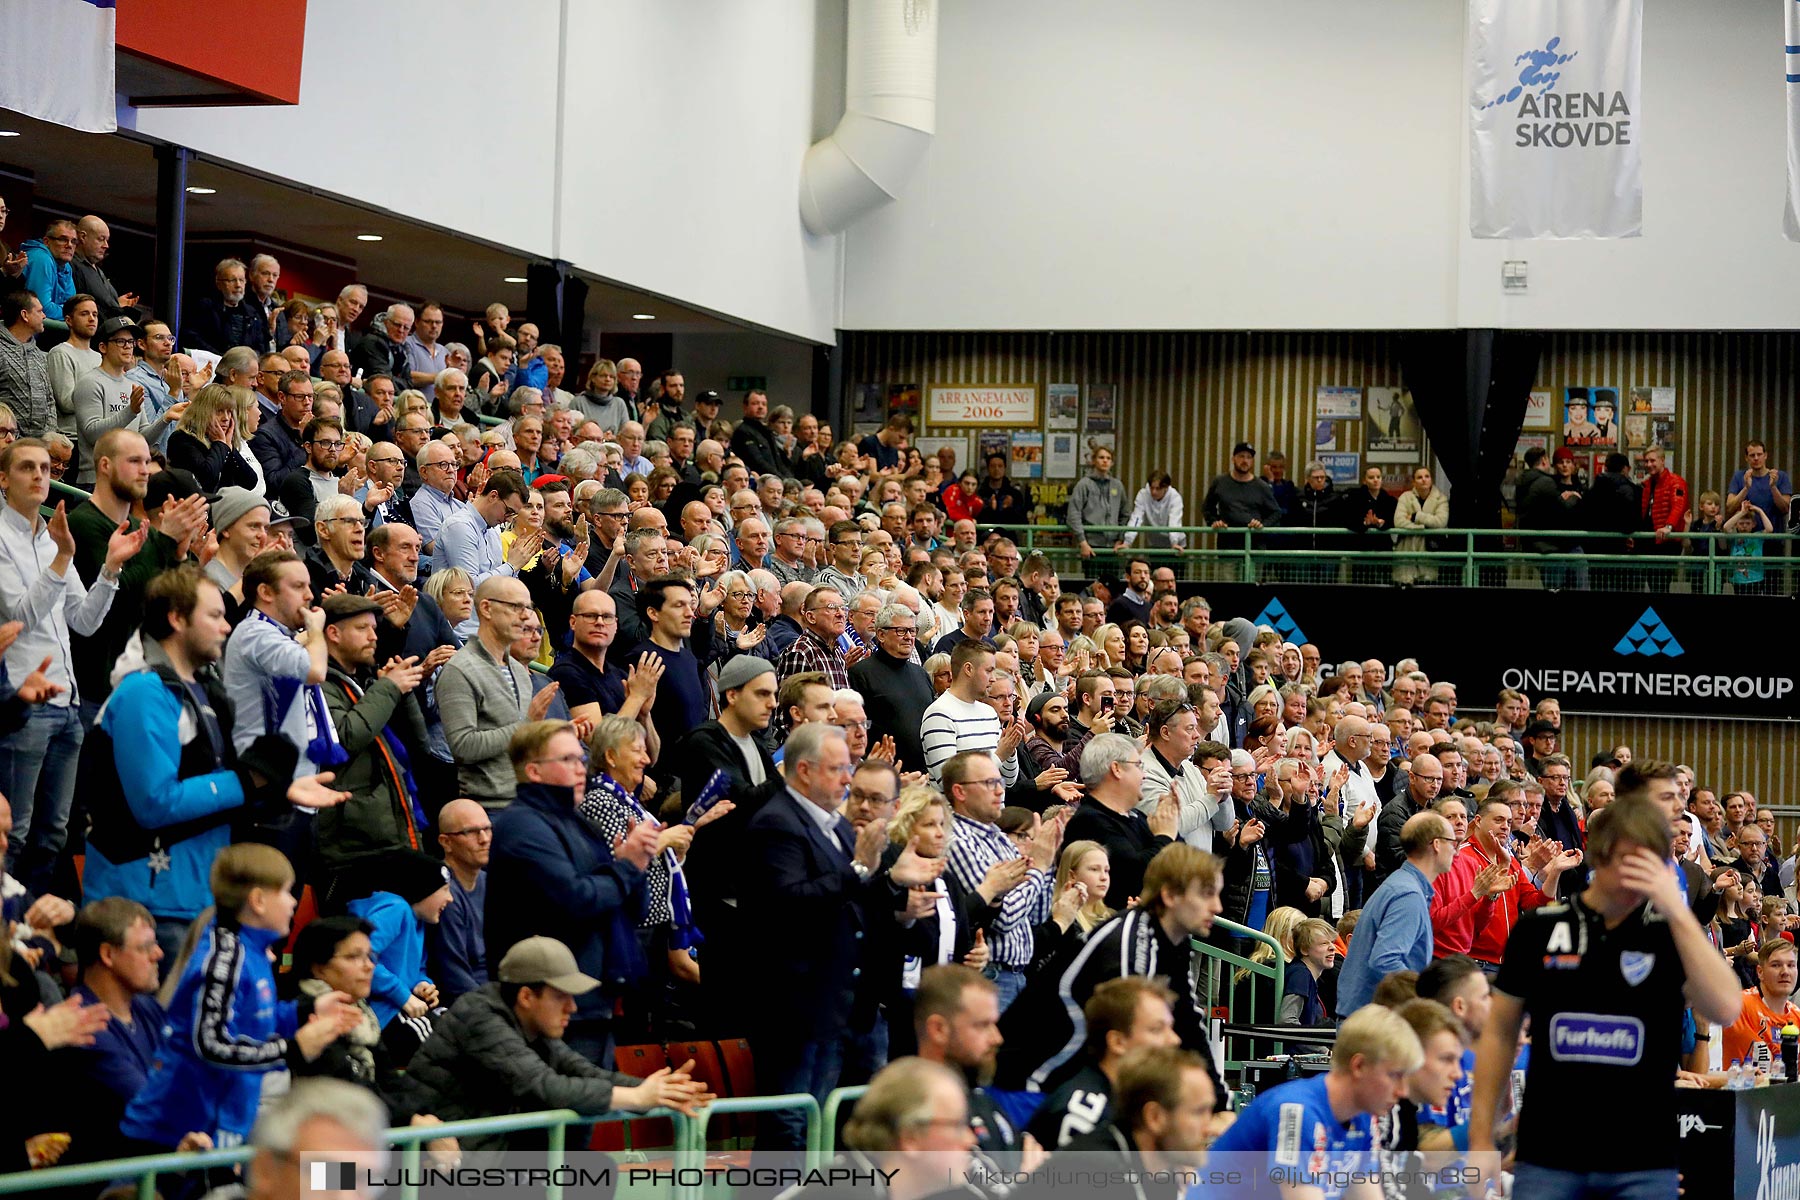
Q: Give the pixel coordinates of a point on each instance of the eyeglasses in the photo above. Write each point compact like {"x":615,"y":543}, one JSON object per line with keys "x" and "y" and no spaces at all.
{"x":361,"y":956}
{"x":737,"y":595}
{"x":330,"y":444}
{"x":597,"y":618}
{"x":1243,"y":775}
{"x":578,"y":759}
{"x":9,"y":431}
{"x":900,"y":630}
{"x":870,"y":797}
{"x":1554,"y":778}
{"x":359,"y":522}
{"x":509,"y":603}
{"x":865,"y":726}
{"x":995,"y":782}
{"x":475,"y":832}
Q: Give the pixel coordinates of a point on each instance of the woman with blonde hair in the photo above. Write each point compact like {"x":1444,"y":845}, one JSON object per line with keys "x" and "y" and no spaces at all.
{"x":1110,"y":640}
{"x":204,"y":441}
{"x":1253,"y":994}
{"x":1083,"y":875}
{"x":249,"y":419}
{"x":947,"y":922}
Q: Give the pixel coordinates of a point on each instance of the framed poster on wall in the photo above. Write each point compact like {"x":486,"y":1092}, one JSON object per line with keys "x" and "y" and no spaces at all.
{"x":1063,"y":402}
{"x":983,"y":405}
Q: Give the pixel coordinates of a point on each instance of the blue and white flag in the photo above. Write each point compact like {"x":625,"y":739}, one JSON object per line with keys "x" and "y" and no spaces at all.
{"x":1791,"y":220}
{"x":56,"y":62}
{"x":1554,"y":127}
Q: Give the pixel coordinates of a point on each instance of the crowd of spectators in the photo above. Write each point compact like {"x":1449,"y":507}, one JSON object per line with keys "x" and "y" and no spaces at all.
{"x":807,"y":756}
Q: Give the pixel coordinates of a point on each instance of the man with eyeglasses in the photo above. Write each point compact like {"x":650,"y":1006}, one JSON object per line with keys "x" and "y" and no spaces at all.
{"x":470,"y":538}
{"x":105,"y":399}
{"x":456,"y":947}
{"x":1558,"y":820}
{"x":552,"y":874}
{"x":226,"y":319}
{"x":335,"y":559}
{"x":1112,"y":768}
{"x":788,"y":562}
{"x":484,"y":696}
{"x":317,"y":480}
{"x":595,"y":688}
{"x":844,"y":542}
{"x":49,"y":266}
{"x":896,"y":690}
{"x":1394,"y":933}
{"x":434,"y":502}
{"x":1423,"y":783}
{"x":280,"y":444}
{"x":823,"y":616}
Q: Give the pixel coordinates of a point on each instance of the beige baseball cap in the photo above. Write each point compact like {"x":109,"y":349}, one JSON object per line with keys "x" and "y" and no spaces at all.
{"x":545,"y":960}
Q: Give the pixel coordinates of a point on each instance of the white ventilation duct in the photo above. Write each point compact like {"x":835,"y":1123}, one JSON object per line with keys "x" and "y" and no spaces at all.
{"x":890,"y":113}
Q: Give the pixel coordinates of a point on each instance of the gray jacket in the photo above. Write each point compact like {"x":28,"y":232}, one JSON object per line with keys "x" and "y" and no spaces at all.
{"x":479,"y":1063}
{"x":480,"y":710}
{"x":1097,"y":501}
{"x":25,"y":385}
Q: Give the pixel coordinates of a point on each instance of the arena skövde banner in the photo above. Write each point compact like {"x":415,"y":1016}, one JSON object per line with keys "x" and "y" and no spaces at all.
{"x":1554,"y":133}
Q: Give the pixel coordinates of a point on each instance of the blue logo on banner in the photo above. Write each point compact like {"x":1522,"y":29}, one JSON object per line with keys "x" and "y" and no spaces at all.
{"x":1650,"y":637}
{"x":1276,"y":617}
{"x":1536,"y":73}
{"x":1604,"y":1038}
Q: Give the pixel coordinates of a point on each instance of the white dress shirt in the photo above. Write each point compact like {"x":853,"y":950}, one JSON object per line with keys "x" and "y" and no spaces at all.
{"x":50,"y":605}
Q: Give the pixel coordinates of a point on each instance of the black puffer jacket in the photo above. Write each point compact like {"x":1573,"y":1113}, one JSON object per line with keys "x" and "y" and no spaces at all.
{"x":479,"y":1063}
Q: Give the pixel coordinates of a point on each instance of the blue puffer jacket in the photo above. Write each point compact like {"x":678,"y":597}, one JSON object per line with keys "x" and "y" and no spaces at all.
{"x":398,"y":944}
{"x":54,"y":282}
{"x":224,"y":1031}
{"x":153,"y":730}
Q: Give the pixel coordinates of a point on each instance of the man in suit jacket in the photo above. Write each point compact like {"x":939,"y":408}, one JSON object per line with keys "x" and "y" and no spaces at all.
{"x":811,"y":908}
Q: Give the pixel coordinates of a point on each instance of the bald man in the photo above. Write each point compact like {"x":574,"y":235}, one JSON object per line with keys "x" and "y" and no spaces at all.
{"x":696,"y":519}
{"x":455,"y":948}
{"x":92,"y":238}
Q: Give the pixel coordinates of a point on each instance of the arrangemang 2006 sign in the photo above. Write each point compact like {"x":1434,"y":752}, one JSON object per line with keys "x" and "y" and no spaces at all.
{"x":1672,"y":654}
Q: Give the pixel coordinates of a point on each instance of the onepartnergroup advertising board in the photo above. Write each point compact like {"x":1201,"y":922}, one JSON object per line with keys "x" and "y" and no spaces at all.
{"x":1670,"y":654}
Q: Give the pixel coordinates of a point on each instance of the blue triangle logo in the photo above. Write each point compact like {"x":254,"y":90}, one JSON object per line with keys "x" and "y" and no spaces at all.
{"x":1276,"y":617}
{"x":1649,"y":637}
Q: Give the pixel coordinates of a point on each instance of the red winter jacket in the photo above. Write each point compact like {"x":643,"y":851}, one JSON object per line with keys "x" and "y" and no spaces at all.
{"x":1665,"y":502}
{"x":961,"y":505}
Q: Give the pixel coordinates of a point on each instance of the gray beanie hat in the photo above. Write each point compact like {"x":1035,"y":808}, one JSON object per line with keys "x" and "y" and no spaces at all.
{"x":741,"y":670}
{"x":233,"y":505}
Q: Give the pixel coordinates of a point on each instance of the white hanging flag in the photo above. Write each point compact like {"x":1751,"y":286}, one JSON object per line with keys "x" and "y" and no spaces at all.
{"x":56,"y":62}
{"x":1791,"y":219}
{"x":1553,"y":118}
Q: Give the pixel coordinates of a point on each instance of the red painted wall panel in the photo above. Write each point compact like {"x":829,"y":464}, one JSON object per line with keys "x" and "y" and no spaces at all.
{"x":252,"y":45}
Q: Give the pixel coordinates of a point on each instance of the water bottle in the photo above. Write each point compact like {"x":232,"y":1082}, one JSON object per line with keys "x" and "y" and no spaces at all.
{"x":1734,"y":1078}
{"x":1790,"y":1045}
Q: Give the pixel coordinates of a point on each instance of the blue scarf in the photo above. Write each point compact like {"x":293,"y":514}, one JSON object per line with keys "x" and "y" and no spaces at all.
{"x":683,"y":933}
{"x":323,"y":749}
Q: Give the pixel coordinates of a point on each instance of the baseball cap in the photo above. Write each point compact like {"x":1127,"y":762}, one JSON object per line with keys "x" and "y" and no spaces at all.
{"x":113,"y":325}
{"x":1242,"y":448}
{"x":232,"y":505}
{"x":545,"y":960}
{"x":1539,"y":729}
{"x":708,"y":397}
{"x":279,"y":515}
{"x":170,"y":483}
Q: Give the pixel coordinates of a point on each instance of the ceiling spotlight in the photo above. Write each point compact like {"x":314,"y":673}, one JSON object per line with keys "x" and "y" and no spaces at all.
{"x":202,"y":191}
{"x":9,"y":133}
{"x":514,"y":279}
{"x":368,"y":237}
{"x":643,"y":316}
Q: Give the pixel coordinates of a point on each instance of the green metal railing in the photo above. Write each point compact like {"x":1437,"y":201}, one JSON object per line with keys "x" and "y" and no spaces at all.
{"x":1217,"y":970}
{"x":408,"y":1138}
{"x":834,"y":1102}
{"x":689,"y":1148}
{"x":1585,"y":560}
